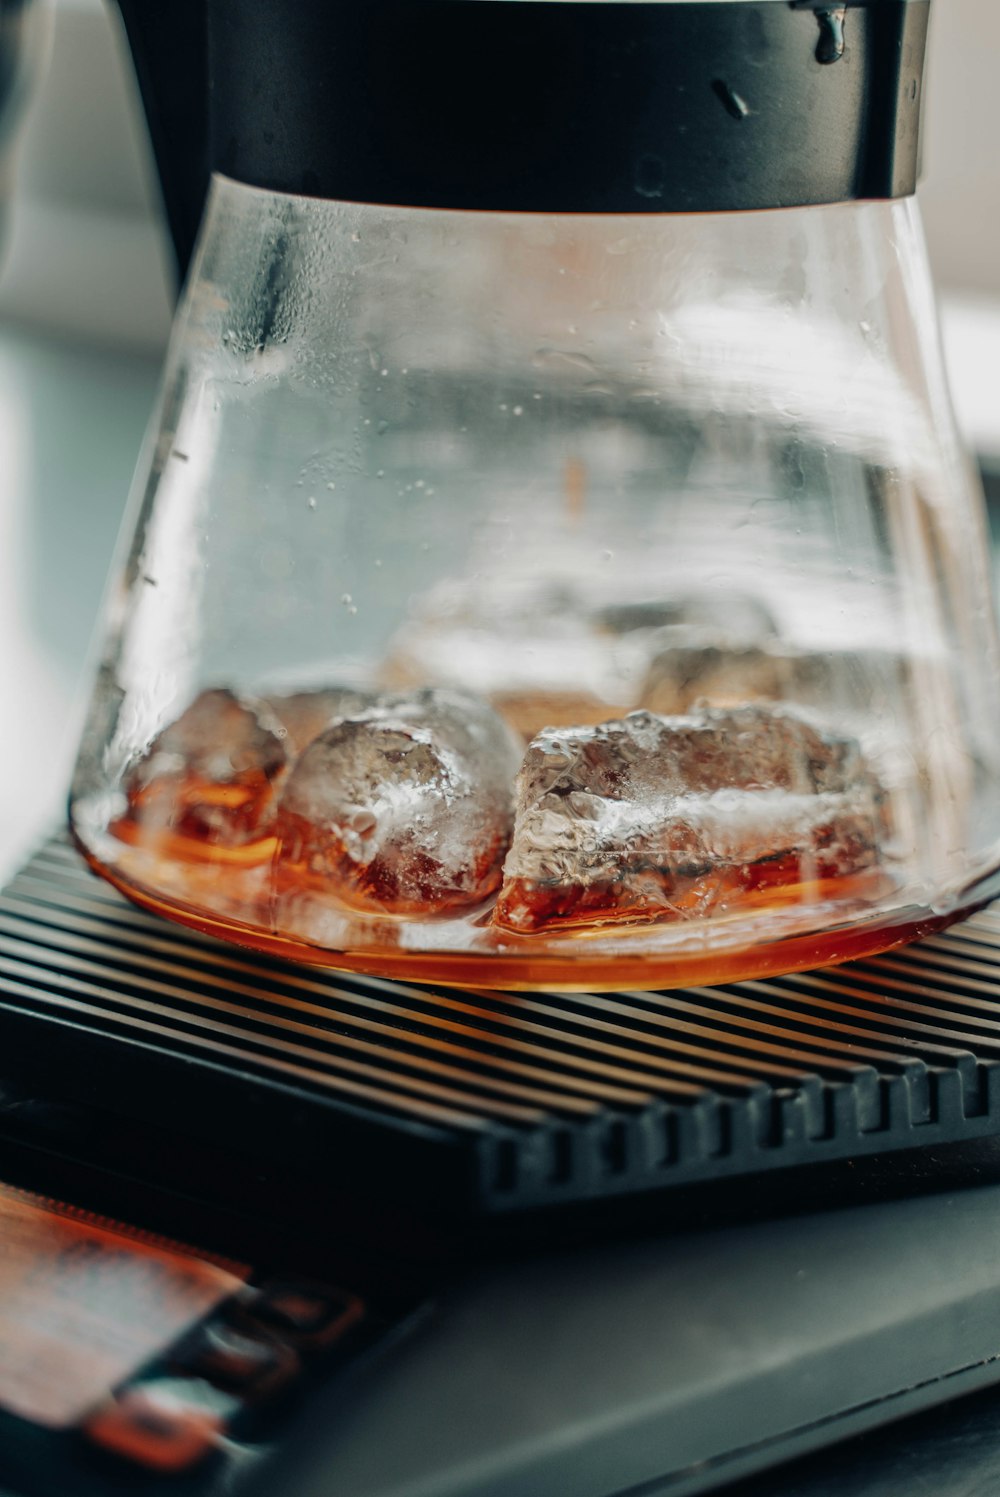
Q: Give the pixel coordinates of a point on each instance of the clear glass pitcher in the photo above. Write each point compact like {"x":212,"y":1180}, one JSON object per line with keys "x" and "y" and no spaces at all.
{"x":574,"y":599}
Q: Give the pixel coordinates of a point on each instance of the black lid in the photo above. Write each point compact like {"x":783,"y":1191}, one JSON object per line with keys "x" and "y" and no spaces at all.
{"x":561,"y":105}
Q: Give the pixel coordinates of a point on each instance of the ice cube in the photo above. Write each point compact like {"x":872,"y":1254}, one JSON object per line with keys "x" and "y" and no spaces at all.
{"x":654,"y":817}
{"x":404,"y":807}
{"x":684,"y":675}
{"x":210,"y":775}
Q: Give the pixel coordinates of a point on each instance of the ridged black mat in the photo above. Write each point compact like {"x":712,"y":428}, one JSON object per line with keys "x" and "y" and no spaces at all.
{"x":491,"y":1102}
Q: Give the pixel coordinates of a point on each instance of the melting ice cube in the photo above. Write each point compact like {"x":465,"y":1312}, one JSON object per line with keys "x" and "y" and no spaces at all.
{"x":655,"y":817}
{"x":210,"y":775}
{"x":404,"y":807}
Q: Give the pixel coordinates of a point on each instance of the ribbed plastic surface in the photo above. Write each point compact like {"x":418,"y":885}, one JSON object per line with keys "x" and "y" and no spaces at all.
{"x":496,"y":1102}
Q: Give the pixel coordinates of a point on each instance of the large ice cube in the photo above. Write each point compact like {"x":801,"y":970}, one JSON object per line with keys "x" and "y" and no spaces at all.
{"x":402,"y":808}
{"x":667,"y":818}
{"x":210,"y":775}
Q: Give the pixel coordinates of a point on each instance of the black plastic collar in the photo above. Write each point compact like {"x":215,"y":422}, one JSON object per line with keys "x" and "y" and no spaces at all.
{"x":607,"y":106}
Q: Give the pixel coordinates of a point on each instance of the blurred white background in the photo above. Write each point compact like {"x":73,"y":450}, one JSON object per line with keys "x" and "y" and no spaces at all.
{"x":85,"y":308}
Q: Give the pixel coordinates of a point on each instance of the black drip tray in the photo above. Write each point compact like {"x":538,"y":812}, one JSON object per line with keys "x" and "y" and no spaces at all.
{"x":490,"y":1102}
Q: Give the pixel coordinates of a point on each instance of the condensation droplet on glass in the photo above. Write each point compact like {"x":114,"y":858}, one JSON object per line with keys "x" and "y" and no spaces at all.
{"x":419,"y":484}
{"x":384,"y":373}
{"x":311,"y":501}
{"x":733,"y":103}
{"x":649,"y":176}
{"x":519,"y":410}
{"x":352,"y":609}
{"x":331,"y":485}
{"x":382,"y":428}
{"x":380,"y":473}
{"x":346,"y":599}
{"x":377,"y":562}
{"x":425,"y":545}
{"x":355,"y":237}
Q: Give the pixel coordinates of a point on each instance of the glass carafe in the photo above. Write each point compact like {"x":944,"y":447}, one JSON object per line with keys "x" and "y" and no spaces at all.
{"x":574,"y":599}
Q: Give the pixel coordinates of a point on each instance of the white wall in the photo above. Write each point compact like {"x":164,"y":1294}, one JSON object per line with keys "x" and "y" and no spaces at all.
{"x":960,"y":193}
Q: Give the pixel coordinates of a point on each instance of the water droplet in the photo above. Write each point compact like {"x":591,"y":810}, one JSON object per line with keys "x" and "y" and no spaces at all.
{"x":419,"y":484}
{"x":311,"y":501}
{"x":519,"y":410}
{"x":830,"y":47}
{"x":380,"y":473}
{"x":385,"y":373}
{"x":556,"y":358}
{"x":378,"y":561}
{"x":331,"y":485}
{"x":352,"y":609}
{"x":649,"y":174}
{"x":355,"y":237}
{"x":382,"y":428}
{"x":346,"y":599}
{"x":733,"y":103}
